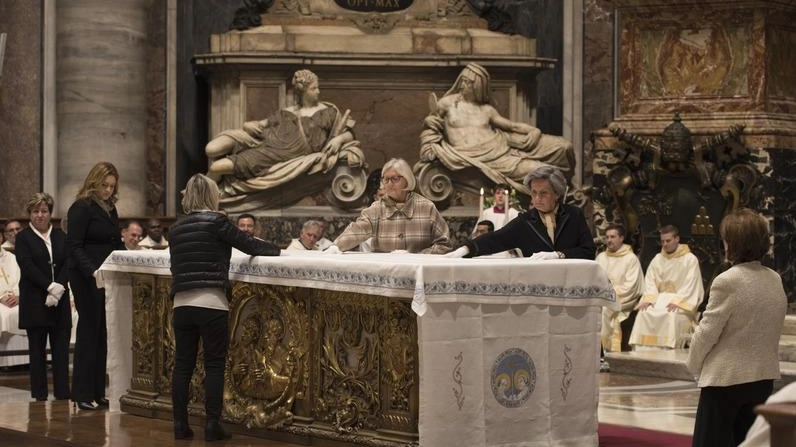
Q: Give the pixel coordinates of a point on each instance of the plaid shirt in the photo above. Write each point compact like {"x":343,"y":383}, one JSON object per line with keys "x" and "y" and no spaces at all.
{"x":416,"y":227}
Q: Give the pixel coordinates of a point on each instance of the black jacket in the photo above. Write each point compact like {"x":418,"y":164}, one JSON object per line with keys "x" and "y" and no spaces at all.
{"x":201,"y":244}
{"x":92,"y":234}
{"x":528,"y":233}
{"x":36,"y":275}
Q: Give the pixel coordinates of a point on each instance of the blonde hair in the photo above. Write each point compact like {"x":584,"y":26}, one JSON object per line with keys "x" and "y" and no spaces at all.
{"x":403,"y":169}
{"x":94,"y":180}
{"x":201,"y":194}
{"x":40,"y":197}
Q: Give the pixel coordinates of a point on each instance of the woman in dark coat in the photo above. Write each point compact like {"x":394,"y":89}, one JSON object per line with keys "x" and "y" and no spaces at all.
{"x":200,"y":247}
{"x":551,"y":229}
{"x":44,"y":310}
{"x":92,"y":234}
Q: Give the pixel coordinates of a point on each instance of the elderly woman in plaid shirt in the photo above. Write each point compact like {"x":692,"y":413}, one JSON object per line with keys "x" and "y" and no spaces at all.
{"x":402,"y":221}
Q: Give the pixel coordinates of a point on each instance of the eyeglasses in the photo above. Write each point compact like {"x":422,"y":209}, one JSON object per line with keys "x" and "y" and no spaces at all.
{"x":393,"y":179}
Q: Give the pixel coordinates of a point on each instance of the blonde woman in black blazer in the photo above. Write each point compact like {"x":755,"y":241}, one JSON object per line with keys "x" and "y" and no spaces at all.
{"x":44,"y":310}
{"x":92,"y":234}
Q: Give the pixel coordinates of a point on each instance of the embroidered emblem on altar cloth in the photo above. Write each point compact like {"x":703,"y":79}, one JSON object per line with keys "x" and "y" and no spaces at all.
{"x":513,"y":377}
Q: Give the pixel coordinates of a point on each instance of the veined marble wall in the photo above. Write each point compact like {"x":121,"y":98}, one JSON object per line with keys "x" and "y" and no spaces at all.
{"x":20,"y":105}
{"x":718,"y":63}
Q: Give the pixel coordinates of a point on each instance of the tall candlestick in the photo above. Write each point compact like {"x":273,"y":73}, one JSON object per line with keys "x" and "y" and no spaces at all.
{"x":506,"y":208}
{"x":481,"y":205}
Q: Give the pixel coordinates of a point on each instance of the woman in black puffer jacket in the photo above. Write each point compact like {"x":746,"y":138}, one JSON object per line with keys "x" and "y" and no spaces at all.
{"x":200,"y":246}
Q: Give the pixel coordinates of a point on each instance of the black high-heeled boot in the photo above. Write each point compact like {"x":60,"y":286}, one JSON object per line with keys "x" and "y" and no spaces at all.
{"x":214,"y":431}
{"x":182,"y":430}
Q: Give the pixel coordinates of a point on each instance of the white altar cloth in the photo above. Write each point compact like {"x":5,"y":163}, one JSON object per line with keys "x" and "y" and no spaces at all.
{"x":509,"y":348}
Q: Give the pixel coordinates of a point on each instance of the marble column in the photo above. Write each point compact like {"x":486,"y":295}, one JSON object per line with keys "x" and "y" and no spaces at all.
{"x":101,"y":96}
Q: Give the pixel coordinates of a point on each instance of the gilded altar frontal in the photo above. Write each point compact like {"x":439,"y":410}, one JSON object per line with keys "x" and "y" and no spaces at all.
{"x":302,"y":362}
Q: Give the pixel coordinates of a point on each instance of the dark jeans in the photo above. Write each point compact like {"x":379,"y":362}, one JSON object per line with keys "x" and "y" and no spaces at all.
{"x":37,"y":350}
{"x":725,"y":413}
{"x":91,"y":343}
{"x":191,"y":324}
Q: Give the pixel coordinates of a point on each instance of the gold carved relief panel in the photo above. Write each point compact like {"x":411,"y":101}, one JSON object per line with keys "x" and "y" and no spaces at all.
{"x":306,"y":362}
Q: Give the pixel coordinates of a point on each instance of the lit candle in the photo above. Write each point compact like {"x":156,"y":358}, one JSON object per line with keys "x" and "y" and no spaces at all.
{"x":481,"y":204}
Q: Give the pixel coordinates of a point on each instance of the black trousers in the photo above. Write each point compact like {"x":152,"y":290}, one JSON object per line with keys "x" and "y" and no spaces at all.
{"x":91,"y":343}
{"x":725,"y":413}
{"x":37,"y":350}
{"x":190,"y":325}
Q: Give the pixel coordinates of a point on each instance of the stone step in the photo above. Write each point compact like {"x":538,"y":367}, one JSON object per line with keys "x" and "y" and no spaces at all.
{"x":670,"y":364}
{"x":787,"y":348}
{"x":790,"y":325}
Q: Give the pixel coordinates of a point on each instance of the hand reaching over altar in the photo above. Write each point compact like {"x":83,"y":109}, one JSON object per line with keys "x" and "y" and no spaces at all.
{"x":459,"y":252}
{"x":333,"y":249}
{"x":544,"y":256}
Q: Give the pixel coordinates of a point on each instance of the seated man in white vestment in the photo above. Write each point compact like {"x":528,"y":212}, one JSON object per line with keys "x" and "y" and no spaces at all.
{"x":672,"y":293}
{"x":311,"y":233}
{"x":627,"y":278}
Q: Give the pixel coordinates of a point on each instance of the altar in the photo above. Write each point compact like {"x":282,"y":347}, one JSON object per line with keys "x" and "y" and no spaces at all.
{"x":378,"y":349}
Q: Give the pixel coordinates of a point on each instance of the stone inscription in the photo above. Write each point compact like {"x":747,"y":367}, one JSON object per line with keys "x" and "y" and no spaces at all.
{"x":374,"y":5}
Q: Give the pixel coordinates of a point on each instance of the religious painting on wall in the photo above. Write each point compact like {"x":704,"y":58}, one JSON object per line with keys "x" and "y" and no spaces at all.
{"x":668,"y":57}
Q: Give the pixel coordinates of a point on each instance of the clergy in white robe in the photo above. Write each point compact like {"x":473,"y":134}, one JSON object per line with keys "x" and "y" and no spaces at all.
{"x":502,"y":212}
{"x":672,"y":293}
{"x":498,"y":216}
{"x":627,"y":278}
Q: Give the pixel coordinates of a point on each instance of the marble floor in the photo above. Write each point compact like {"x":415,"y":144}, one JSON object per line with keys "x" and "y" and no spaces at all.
{"x":645,"y":402}
{"x":648,"y":402}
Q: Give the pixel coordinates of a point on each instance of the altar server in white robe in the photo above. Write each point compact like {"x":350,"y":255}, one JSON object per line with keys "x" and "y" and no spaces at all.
{"x":627,"y":278}
{"x":501,"y":213}
{"x":672,"y":293}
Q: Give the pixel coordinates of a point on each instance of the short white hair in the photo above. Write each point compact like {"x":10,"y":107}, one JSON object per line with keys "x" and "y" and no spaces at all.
{"x":551,"y":174}
{"x":403,"y":169}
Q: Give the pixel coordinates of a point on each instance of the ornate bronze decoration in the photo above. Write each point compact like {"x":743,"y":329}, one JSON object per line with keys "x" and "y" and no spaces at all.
{"x":249,"y":15}
{"x":646,"y":185}
{"x":305,"y":362}
{"x":267,"y":361}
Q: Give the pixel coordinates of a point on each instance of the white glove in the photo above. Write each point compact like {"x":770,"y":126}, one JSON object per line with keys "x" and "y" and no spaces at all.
{"x":459,"y":252}
{"x":398,"y":252}
{"x":333,"y":249}
{"x":543,"y":255}
{"x":51,"y":301}
{"x":56,"y":290}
